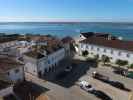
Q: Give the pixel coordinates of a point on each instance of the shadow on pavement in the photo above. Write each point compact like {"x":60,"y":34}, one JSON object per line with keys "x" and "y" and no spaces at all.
{"x":68,"y":79}
{"x":28,"y":90}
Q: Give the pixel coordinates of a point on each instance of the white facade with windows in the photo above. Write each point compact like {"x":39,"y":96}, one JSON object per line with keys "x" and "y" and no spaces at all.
{"x":15,"y":74}
{"x":38,"y":67}
{"x":113,"y":53}
{"x":35,"y":66}
{"x":54,"y":58}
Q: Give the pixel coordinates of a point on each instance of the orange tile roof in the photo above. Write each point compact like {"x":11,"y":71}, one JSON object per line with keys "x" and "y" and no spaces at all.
{"x":7,"y":64}
{"x":118,"y":44}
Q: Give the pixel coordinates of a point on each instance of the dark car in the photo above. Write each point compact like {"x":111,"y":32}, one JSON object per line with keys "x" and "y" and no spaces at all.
{"x":100,"y":77}
{"x":118,"y":85}
{"x":120,"y":71}
{"x":101,"y":95}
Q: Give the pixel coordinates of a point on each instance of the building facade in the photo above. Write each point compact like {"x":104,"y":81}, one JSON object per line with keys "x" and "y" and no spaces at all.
{"x":114,"y":49}
{"x":38,"y":63}
{"x":11,"y":70}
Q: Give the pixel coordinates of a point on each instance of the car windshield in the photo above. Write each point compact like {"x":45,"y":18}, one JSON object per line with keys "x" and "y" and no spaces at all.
{"x":88,"y":86}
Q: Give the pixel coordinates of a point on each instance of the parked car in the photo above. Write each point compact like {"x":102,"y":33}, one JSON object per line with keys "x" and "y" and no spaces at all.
{"x":101,"y":95}
{"x":117,"y":84}
{"x":86,"y":86}
{"x":99,"y":76}
{"x":68,"y":68}
{"x":120,"y":71}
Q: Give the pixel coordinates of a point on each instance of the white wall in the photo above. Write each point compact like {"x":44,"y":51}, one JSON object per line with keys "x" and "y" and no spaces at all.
{"x":115,"y":55}
{"x":31,"y":68}
{"x":34,"y":66}
{"x":16,"y":76}
{"x":55,"y":57}
{"x":42,"y":65}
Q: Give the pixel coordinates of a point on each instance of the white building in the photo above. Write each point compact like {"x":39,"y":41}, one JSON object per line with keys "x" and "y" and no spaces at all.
{"x":37,"y":63}
{"x":11,"y":70}
{"x":114,"y":49}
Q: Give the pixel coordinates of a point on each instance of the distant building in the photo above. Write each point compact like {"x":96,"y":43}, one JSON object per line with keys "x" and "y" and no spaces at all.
{"x":39,"y":53}
{"x":114,"y":49}
{"x":85,"y":35}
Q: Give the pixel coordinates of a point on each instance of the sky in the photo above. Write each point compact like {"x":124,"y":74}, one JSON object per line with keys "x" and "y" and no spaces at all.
{"x":66,"y":10}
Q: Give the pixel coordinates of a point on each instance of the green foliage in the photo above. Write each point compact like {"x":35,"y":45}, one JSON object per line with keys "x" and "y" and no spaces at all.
{"x":76,"y":45}
{"x":96,"y":57}
{"x":131,"y":66}
{"x":85,"y":53}
{"x":105,"y":59}
{"x":121,"y":62}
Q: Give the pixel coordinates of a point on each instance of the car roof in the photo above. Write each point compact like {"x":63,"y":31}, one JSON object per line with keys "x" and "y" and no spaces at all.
{"x":84,"y":83}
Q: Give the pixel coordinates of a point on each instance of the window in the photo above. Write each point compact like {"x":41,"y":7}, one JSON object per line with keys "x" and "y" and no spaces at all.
{"x":98,"y":49}
{"x":48,"y":61}
{"x":112,"y":51}
{"x":128,"y":55}
{"x":87,"y":46}
{"x":119,"y":53}
{"x":81,"y":45}
{"x":26,"y":69}
{"x":91,"y":47}
{"x":104,"y":50}
{"x":17,"y":70}
{"x":8,"y":73}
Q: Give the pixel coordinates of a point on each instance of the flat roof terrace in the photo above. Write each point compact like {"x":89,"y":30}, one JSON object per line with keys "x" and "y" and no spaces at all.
{"x":34,"y":54}
{"x":8,"y":64}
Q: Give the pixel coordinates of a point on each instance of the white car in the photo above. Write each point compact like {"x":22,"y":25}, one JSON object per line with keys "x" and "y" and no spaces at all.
{"x":86,"y":86}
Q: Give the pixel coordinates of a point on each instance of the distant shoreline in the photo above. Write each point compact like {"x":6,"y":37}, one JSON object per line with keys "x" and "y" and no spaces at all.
{"x":73,"y":29}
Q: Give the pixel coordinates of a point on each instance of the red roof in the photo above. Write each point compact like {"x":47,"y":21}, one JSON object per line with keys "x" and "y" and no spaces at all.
{"x":118,"y":44}
{"x":7,"y":64}
{"x":67,"y":39}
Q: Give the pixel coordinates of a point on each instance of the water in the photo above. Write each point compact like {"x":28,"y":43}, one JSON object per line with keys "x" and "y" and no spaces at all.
{"x":124,"y":30}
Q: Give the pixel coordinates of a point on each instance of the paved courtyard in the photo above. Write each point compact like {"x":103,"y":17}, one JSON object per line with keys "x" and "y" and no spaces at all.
{"x":65,"y":89}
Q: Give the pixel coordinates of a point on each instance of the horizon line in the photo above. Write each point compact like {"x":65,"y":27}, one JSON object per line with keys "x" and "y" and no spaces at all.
{"x":66,"y":22}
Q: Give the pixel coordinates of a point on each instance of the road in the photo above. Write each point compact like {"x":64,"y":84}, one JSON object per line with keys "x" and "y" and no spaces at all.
{"x":58,"y":92}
